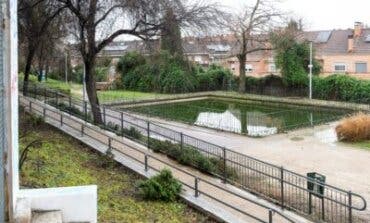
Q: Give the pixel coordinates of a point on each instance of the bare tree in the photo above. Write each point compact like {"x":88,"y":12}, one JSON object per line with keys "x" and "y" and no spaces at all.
{"x":99,"y":22}
{"x":251,"y":30}
{"x":35,"y":18}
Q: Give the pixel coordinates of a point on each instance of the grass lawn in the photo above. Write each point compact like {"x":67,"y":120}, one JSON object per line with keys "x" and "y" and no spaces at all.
{"x":63,"y":161}
{"x":120,"y":95}
{"x":104,"y":96}
{"x":363,"y":145}
{"x":54,"y":84}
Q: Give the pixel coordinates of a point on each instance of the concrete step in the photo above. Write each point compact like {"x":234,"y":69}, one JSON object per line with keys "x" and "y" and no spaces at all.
{"x":47,"y":217}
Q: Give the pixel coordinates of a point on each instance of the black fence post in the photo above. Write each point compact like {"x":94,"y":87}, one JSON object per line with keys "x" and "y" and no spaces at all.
{"x":109,"y":143}
{"x":34,"y":91}
{"x":182,"y":140}
{"x":270,"y":216}
{"x":30,"y":106}
{"x":70,"y":102}
{"x":44,"y":113}
{"x":122,"y":123}
{"x":350,"y":206}
{"x":196,"y":187}
{"x":45,"y":95}
{"x":82,"y":130}
{"x":148,"y":134}
{"x":104,"y":118}
{"x":146,"y":162}
{"x":282,"y":186}
{"x":57,"y":99}
{"x":61,"y":119}
{"x":85,"y":110}
{"x":224,"y":161}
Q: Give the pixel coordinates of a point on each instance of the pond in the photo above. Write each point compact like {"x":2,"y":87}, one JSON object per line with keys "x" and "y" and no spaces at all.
{"x":251,"y":118}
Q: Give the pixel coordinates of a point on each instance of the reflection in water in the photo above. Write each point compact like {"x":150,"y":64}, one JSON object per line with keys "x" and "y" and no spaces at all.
{"x":244,"y":117}
{"x":252,"y":123}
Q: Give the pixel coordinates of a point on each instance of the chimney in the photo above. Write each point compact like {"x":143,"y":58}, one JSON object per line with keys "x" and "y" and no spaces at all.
{"x":350,"y":43}
{"x":358,"y":29}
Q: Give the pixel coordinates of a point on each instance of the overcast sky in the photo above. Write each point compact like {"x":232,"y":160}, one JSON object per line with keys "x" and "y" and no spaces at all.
{"x":321,"y":14}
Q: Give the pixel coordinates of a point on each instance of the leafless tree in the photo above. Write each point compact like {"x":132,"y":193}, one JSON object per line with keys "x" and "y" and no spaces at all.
{"x":251,"y":30}
{"x":35,"y":19}
{"x":99,"y":22}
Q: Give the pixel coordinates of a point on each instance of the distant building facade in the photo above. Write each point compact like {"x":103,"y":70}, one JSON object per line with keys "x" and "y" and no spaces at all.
{"x":338,"y":51}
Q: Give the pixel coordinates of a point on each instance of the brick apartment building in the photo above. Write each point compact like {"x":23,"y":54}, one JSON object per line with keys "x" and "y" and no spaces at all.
{"x":338,"y":51}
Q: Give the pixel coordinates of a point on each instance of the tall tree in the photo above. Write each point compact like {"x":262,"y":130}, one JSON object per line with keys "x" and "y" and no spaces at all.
{"x":35,"y":18}
{"x":171,"y":34}
{"x":251,"y":28}
{"x":292,"y":54}
{"x":96,"y":23}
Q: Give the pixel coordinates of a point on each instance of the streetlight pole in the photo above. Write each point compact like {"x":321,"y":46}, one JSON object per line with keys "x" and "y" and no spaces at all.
{"x":310,"y":66}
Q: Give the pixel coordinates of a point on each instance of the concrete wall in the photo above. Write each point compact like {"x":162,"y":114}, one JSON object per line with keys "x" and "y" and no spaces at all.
{"x":78,"y":204}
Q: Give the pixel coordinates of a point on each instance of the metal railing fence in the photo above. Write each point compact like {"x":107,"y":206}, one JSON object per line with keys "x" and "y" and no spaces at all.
{"x":88,"y":131}
{"x":275,"y":183}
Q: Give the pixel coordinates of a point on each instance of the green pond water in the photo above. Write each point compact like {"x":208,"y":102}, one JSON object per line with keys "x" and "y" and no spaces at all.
{"x":243,"y":117}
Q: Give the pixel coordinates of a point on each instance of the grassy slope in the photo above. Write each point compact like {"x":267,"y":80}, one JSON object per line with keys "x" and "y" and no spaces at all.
{"x":63,"y":161}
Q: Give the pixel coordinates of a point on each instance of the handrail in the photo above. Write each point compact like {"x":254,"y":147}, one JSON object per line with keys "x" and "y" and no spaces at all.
{"x":347,"y":194}
{"x":62,"y":120}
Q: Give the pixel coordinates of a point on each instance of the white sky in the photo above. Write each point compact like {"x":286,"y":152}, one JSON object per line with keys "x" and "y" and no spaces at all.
{"x":320,"y":14}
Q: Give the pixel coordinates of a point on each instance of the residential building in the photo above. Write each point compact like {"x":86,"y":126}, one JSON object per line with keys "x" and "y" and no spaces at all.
{"x":338,"y":51}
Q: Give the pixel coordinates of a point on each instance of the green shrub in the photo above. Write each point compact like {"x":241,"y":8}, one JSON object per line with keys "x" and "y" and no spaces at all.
{"x":129,"y":62}
{"x":107,"y":160}
{"x":132,"y":133}
{"x":101,"y":74}
{"x":176,"y":80}
{"x":167,"y":73}
{"x":71,"y":109}
{"x":187,"y":156}
{"x":341,"y":87}
{"x":215,"y":78}
{"x":162,"y":187}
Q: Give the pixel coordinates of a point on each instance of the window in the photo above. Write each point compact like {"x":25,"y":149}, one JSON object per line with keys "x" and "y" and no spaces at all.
{"x":361,"y":67}
{"x":340,"y":67}
{"x":248,"y":68}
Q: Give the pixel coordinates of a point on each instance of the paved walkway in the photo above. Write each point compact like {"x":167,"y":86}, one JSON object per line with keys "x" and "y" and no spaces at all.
{"x":132,"y":155}
{"x":305,"y":150}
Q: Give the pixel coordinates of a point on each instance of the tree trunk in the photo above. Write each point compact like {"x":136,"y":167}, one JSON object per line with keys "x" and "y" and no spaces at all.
{"x":27,"y":70}
{"x":91,"y":90}
{"x":242,"y":58}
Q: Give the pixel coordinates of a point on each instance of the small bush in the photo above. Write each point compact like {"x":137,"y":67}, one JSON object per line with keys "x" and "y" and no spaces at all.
{"x":35,"y":120}
{"x":355,"y":128}
{"x":107,"y":159}
{"x":132,"y":133}
{"x":162,"y":187}
{"x":191,"y":157}
{"x":101,"y":74}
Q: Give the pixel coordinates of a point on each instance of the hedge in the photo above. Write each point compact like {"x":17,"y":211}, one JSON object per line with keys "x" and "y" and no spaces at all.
{"x":170,"y":74}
